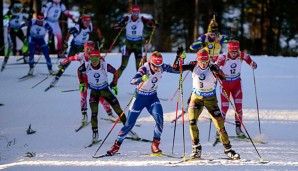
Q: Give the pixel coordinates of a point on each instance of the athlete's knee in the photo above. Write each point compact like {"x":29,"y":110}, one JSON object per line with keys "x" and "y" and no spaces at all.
{"x":222,"y":130}
{"x":216,"y":114}
{"x":92,"y":100}
{"x":193,"y":122}
{"x":122,"y":67}
{"x":114,"y":102}
{"x":94,"y":115}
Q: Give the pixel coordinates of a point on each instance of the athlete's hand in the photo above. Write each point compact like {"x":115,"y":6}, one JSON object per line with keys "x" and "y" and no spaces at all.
{"x":183,"y":55}
{"x":145,"y":78}
{"x":253,"y":65}
{"x":114,"y":88}
{"x":82,"y":87}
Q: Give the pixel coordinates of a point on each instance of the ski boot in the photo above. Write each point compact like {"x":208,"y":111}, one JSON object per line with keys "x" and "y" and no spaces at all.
{"x":26,"y":57}
{"x":239,"y":132}
{"x":50,"y":70}
{"x":115,"y":148}
{"x":232,"y":154}
{"x":94,"y":137}
{"x":3,"y":65}
{"x":84,"y":117}
{"x":31,"y":71}
{"x":111,"y":116}
{"x":196,"y":151}
{"x":154,"y":146}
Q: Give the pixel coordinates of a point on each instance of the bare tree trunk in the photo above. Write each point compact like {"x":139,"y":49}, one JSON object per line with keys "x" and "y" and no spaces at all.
{"x":158,"y":15}
{"x":196,"y":21}
{"x":263,"y":28}
{"x":242,"y":21}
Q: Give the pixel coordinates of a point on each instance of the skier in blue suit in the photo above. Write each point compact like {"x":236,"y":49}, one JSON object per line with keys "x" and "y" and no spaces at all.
{"x":147,"y":79}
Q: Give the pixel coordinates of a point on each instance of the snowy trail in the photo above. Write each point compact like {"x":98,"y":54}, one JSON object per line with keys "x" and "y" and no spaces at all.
{"x":55,"y":115}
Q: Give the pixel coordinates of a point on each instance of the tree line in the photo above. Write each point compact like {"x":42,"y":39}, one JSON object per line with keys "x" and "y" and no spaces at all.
{"x":263,"y":27}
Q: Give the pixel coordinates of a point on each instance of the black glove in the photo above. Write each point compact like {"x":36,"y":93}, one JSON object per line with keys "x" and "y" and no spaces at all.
{"x":180,"y":50}
{"x":156,"y":24}
{"x":214,"y":68}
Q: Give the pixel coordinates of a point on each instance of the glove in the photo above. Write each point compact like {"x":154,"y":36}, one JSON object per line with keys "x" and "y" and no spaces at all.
{"x":7,"y":17}
{"x":253,"y":65}
{"x":114,"y":88}
{"x":145,"y":78}
{"x":196,"y":45}
{"x":183,"y":55}
{"x":82,"y":87}
{"x":65,"y":45}
{"x":156,"y":24}
{"x":214,"y":67}
{"x":175,"y":67}
{"x":180,"y":50}
{"x":118,"y":26}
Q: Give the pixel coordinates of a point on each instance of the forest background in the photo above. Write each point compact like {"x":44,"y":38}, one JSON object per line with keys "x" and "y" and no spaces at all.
{"x":266,"y":27}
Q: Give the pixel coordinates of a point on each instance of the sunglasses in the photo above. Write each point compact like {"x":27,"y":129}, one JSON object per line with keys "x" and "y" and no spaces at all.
{"x":203,"y":62}
{"x":155,"y":66}
{"x":234,"y":52}
{"x":135,"y":14}
{"x":94,"y":59}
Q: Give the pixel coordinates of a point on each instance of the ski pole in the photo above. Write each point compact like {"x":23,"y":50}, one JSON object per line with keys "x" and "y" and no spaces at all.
{"x":209,"y":130}
{"x":64,"y":91}
{"x":37,"y":60}
{"x":177,"y":88}
{"x":177,"y":103}
{"x":182,"y":107}
{"x":184,"y":111}
{"x":111,"y":46}
{"x":62,"y":54}
{"x":240,"y":120}
{"x":180,"y":88}
{"x":253,"y":71}
{"x":54,"y":73}
{"x":144,"y":59}
{"x":20,"y":58}
{"x":134,"y":95}
{"x":4,"y":45}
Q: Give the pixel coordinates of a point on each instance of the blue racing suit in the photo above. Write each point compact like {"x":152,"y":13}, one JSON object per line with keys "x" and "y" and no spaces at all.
{"x":146,"y":96}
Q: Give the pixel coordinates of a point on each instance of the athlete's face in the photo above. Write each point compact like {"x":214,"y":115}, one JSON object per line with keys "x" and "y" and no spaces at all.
{"x":95,"y":62}
{"x":134,"y":16}
{"x":203,"y":64}
{"x":233,"y":54}
{"x":212,"y":35}
{"x":155,"y":68}
{"x":88,"y":49}
{"x":39,"y":22}
{"x":86,"y":23}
